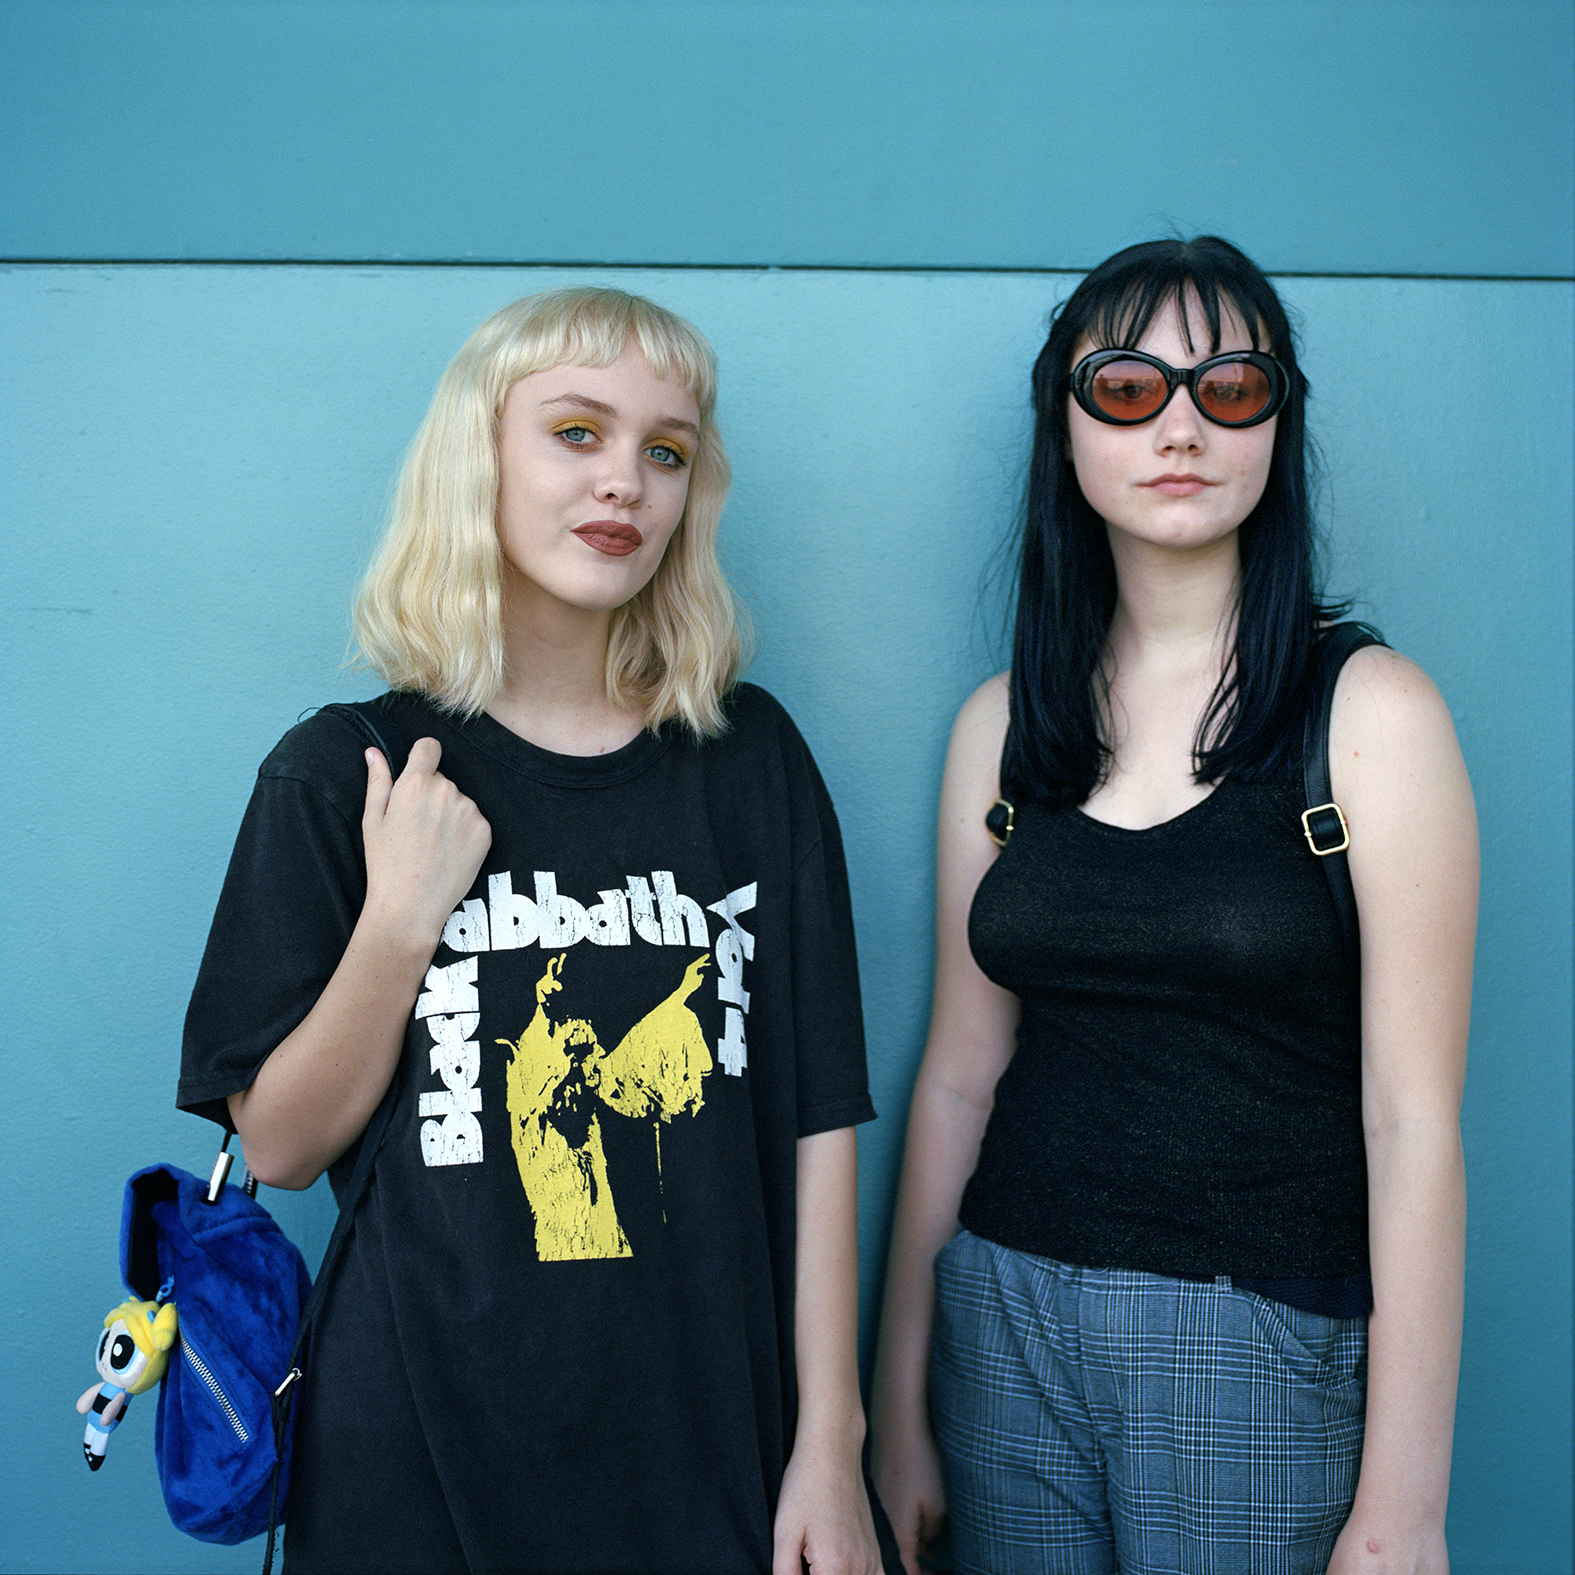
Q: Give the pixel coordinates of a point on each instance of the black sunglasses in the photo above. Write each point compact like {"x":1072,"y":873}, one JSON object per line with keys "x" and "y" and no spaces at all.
{"x":1126,"y":387}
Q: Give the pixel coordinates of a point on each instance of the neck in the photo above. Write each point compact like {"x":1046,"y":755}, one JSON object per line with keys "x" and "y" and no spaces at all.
{"x":1176,"y":606}
{"x":554,"y":691}
{"x":1169,"y":643}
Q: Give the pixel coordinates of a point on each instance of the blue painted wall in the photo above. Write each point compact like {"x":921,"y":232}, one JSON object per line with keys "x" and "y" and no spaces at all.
{"x":199,"y":455}
{"x":1395,"y":136}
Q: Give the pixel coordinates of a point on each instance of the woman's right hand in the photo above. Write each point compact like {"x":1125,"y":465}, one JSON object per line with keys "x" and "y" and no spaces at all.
{"x":310,"y":1099}
{"x":424,"y":844}
{"x":906,"y":1466}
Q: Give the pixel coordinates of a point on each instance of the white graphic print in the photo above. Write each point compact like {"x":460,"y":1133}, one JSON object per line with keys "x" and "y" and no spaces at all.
{"x":451,"y":1009}
{"x":733,"y":945}
{"x":509,"y":920}
{"x":650,"y":910}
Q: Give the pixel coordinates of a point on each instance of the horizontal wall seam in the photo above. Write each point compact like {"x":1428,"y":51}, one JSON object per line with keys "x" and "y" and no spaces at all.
{"x":711,"y":267}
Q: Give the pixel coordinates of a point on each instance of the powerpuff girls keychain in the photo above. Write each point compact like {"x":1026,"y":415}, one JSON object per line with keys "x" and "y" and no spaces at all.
{"x":133,"y":1352}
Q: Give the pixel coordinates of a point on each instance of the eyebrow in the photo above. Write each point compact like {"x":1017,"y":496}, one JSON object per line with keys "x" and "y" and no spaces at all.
{"x":585,"y":402}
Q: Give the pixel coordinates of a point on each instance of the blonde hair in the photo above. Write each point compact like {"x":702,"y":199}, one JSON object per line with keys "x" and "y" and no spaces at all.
{"x":152,"y":1327}
{"x":429,"y":612}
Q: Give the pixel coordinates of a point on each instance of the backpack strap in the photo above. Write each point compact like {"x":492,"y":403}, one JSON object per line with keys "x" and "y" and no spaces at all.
{"x":371,"y":1141}
{"x":1323,"y":822}
{"x":363,"y":724}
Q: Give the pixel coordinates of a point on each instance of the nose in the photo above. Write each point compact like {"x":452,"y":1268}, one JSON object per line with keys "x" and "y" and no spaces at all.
{"x":1178,"y":425}
{"x":621,"y":481}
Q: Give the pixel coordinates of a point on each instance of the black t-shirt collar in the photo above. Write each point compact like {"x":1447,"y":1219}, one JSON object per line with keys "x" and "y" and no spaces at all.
{"x":486,"y":733}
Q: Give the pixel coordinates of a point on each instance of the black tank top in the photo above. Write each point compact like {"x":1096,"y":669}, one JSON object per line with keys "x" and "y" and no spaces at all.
{"x":1185,"y":1096}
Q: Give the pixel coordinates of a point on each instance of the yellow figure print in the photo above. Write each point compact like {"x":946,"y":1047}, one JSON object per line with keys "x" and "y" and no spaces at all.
{"x":557,"y":1137}
{"x":660,"y":1063}
{"x":555,"y":1076}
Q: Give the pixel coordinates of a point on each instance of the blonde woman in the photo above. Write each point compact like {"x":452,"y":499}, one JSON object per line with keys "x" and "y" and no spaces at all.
{"x":591,"y":923}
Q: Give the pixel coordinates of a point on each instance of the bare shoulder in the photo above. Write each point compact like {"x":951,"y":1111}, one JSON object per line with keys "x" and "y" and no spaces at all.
{"x":1388,"y":716}
{"x":1381,"y":688}
{"x":980,"y":731}
{"x":1394,"y":761}
{"x":972,"y":1023}
{"x":971,"y":785}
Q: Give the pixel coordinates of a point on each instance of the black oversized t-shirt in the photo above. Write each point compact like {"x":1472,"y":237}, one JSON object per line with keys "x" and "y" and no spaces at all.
{"x":562,"y":1334}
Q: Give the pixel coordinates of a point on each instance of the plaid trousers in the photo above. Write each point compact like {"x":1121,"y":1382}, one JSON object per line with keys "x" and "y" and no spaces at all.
{"x":1102,"y":1420}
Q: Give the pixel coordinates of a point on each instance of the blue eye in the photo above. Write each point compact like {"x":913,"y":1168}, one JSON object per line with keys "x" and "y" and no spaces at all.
{"x":665,"y":455}
{"x":579,"y":437}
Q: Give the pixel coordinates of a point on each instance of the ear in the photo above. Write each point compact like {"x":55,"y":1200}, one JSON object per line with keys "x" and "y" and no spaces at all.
{"x":164,"y":1327}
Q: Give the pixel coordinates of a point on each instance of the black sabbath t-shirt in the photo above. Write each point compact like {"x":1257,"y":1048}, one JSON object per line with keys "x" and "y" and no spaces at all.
{"x":561,"y":1337}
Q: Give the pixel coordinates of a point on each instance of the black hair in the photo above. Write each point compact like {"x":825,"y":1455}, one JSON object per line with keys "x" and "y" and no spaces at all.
{"x":1056,"y":752}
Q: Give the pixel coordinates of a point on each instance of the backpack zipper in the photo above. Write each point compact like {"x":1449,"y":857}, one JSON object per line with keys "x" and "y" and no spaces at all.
{"x":201,"y":1369}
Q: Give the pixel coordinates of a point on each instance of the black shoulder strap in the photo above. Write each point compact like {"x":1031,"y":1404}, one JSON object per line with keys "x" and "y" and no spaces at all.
{"x":1323,"y":823}
{"x":371,"y":1141}
{"x":369,"y":730}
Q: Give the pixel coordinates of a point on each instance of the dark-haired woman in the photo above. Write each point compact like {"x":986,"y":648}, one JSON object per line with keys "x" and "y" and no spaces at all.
{"x":1202,"y":1313}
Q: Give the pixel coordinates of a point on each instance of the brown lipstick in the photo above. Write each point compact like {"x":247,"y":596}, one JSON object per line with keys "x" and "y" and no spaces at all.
{"x":609,"y":537}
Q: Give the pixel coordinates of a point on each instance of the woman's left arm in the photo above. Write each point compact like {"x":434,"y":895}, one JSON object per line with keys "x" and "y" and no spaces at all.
{"x":823,"y":1513}
{"x":1397,"y":772}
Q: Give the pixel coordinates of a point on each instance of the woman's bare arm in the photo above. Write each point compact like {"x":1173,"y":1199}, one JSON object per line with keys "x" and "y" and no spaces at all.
{"x":310,"y":1099}
{"x":973,"y":1027}
{"x":823,"y":1513}
{"x":1398,"y":773}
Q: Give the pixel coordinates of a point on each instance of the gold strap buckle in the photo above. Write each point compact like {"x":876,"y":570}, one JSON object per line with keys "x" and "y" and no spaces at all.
{"x":1000,"y":821}
{"x":1325,"y":829}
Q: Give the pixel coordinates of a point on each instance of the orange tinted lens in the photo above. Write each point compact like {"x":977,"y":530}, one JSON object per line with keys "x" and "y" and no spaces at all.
{"x":1128,"y":390}
{"x":1233,"y":391}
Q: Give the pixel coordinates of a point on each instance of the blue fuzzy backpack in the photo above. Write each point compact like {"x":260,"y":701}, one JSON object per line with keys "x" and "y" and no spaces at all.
{"x":245,"y":1303}
{"x":239,"y":1286}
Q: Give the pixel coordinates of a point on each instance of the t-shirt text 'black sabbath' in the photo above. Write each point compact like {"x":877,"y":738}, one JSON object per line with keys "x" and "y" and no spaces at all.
{"x":570,"y":1283}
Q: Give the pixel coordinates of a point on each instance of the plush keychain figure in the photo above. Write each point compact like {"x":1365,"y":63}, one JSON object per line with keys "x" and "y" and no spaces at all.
{"x":133,"y":1352}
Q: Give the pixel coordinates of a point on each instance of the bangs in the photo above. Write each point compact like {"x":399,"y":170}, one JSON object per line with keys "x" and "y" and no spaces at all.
{"x":593,"y":327}
{"x":1121,"y":321}
{"x":1207,"y":280}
